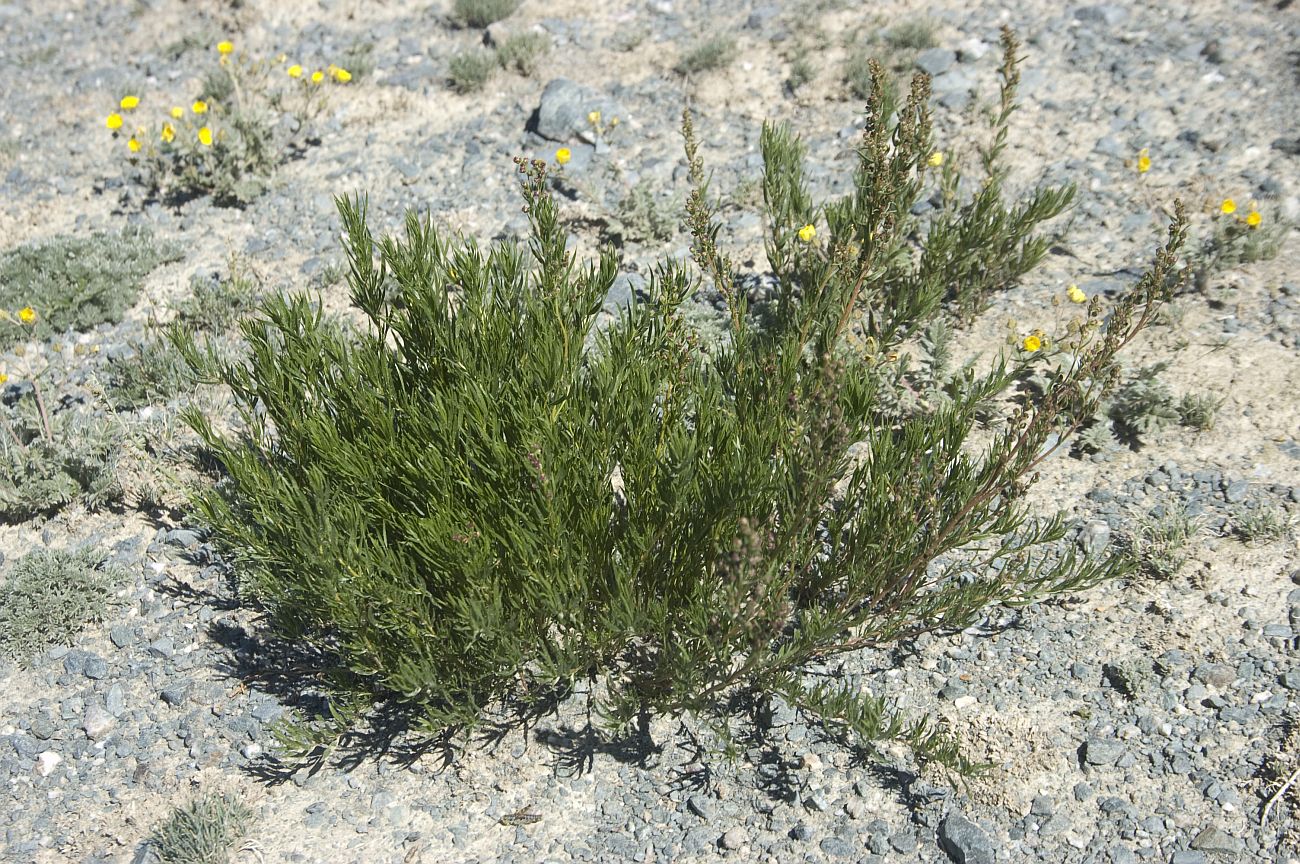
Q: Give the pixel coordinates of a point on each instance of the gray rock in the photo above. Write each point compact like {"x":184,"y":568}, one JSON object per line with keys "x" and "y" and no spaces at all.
{"x":837,"y":847}
{"x":97,"y":723}
{"x":163,"y":648}
{"x":563,"y":109}
{"x":96,"y":668}
{"x":1102,"y":751}
{"x":174,"y":694}
{"x":1095,"y":537}
{"x":1236,"y":491}
{"x":115,"y":700}
{"x":964,"y":841}
{"x":935,"y":61}
{"x":802,"y":832}
{"x":734,"y":838}
{"x":1106,"y":13}
{"x":122,"y":635}
{"x":700,"y":806}
{"x":1214,"y":840}
{"x":1187,"y":856}
{"x":1215,"y":674}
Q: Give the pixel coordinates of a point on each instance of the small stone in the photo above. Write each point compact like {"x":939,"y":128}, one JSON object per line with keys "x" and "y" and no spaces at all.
{"x":1291,"y":679}
{"x":1095,"y":537}
{"x":733,"y":839}
{"x":175,"y":694}
{"x":817,"y":803}
{"x":1236,"y":491}
{"x":964,"y":841}
{"x":964,"y":702}
{"x":1106,"y":13}
{"x":163,"y":648}
{"x":802,"y":832}
{"x":115,"y":700}
{"x":935,"y":61}
{"x":1102,"y":751}
{"x":251,"y":751}
{"x":46,"y":763}
{"x":97,"y":723}
{"x":95,"y":668}
{"x":122,"y":636}
{"x":1214,"y":840}
{"x":854,"y":808}
{"x":700,"y":806}
{"x":1215,"y":674}
{"x":1082,"y":791}
{"x":1187,"y":856}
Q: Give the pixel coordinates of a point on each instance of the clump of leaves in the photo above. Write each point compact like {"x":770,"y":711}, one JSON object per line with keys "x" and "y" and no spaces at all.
{"x":476,"y":495}
{"x":645,"y":216}
{"x":1159,"y":545}
{"x":78,"y":283}
{"x":48,"y":461}
{"x":203,"y":831}
{"x":1238,"y":238}
{"x":469,"y":71}
{"x":522,"y":52}
{"x":216,"y":302}
{"x":481,"y":13}
{"x":1143,"y":406}
{"x":713,"y":53}
{"x":48,"y":596}
{"x":1262,"y":524}
{"x":250,"y":115}
{"x":1197,"y":410}
{"x":914,"y":34}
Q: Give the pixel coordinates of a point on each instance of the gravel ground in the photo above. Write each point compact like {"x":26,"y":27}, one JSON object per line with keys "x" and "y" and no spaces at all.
{"x":1147,"y":720}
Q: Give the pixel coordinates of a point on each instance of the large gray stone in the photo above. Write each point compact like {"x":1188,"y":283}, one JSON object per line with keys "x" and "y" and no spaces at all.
{"x":563,"y":111}
{"x":965,"y":842}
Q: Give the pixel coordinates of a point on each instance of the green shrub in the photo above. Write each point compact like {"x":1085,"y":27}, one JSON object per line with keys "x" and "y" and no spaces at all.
{"x":203,"y":831}
{"x":461,"y":501}
{"x":1159,"y":546}
{"x":1262,"y":524}
{"x":713,"y":53}
{"x":48,"y":597}
{"x":47,"y":462}
{"x":481,"y":13}
{"x":916,"y":34}
{"x":470,"y":71}
{"x":77,"y":283}
{"x":521,"y":53}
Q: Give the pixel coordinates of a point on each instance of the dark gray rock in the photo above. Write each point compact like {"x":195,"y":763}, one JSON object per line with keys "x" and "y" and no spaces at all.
{"x":965,"y":842}
{"x":564,"y":107}
{"x":1102,"y":751}
{"x":1213,"y":840}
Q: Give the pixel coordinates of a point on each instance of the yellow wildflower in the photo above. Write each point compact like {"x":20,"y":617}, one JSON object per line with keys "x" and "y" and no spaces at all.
{"x":936,"y":159}
{"x":1075,"y":293}
{"x":205,"y":136}
{"x":317,"y":77}
{"x":168,"y":132}
{"x":3,"y":378}
{"x":129,"y":102}
{"x":342,"y":76}
{"x":1144,"y":161}
{"x":178,"y":112}
{"x":199,"y":107}
{"x":807,"y":233}
{"x":27,"y":315}
{"x":133,"y":145}
{"x":593,"y":117}
{"x":613,"y":121}
{"x":563,"y":156}
{"x":114,"y":121}
{"x":294,"y":71}
{"x":1228,"y":207}
{"x":224,"y":47}
{"x":1253,"y":219}
{"x":1032,"y":343}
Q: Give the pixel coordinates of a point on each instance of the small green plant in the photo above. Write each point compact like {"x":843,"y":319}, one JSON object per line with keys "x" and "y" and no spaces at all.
{"x":713,"y":53}
{"x":802,"y":71}
{"x":1144,"y":405}
{"x":47,"y":598}
{"x":469,"y":71}
{"x":1198,"y":410}
{"x":154,"y":372}
{"x":523,"y":52}
{"x":48,"y":461}
{"x":203,"y":831}
{"x":481,"y":13}
{"x":1159,"y":546}
{"x":76,"y":283}
{"x":916,"y":34}
{"x":1262,"y":524}
{"x":644,"y":216}
{"x":476,"y":495}
{"x":1238,"y":238}
{"x":228,"y":141}
{"x":216,"y":303}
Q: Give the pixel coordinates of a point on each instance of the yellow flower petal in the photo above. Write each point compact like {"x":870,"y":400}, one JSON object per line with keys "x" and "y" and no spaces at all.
{"x":343,"y":76}
{"x":114,"y":121}
{"x":294,"y":71}
{"x":27,"y":315}
{"x":936,"y":159}
{"x":129,"y":102}
{"x":317,"y":77}
{"x":1228,"y":207}
{"x":224,"y":47}
{"x":205,"y":136}
{"x":807,"y":233}
{"x":1143,"y":161}
{"x":178,"y":112}
{"x":1075,"y":293}
{"x":168,"y":132}
{"x":1253,"y":219}
{"x":593,"y":118}
{"x":133,"y":145}
{"x":199,"y":107}
{"x":3,"y":378}
{"x":1032,"y":343}
{"x":563,"y":156}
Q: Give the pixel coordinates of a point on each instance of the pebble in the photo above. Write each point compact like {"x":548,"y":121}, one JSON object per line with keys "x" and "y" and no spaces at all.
{"x":97,"y":723}
{"x":46,"y":763}
{"x":965,"y":842}
{"x":734,"y":839}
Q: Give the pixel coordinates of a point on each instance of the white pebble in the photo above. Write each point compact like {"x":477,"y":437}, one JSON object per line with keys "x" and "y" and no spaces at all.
{"x":1261,"y":697}
{"x":47,"y":762}
{"x":964,"y":702}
